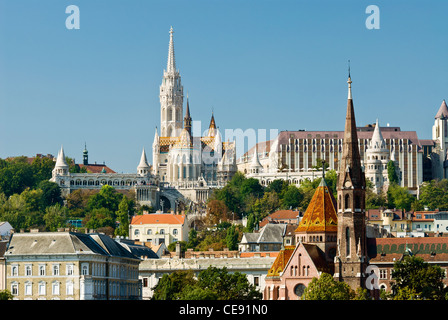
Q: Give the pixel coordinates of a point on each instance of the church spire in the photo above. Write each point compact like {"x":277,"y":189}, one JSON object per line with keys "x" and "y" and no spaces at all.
{"x":351,"y":159}
{"x":351,"y":233}
{"x":187,"y":119}
{"x":171,"y":64}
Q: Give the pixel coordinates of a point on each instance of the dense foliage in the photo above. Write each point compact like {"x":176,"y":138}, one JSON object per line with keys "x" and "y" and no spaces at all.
{"x":211,"y":284}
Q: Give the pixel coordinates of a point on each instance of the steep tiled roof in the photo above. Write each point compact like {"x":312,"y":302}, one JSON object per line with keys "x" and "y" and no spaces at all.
{"x":321,"y":214}
{"x":96,"y":168}
{"x":280,"y":262}
{"x":443,"y":111}
{"x":156,"y":218}
{"x":392,"y":249}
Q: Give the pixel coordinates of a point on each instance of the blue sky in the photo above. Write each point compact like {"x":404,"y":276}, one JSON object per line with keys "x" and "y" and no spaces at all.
{"x":256,"y":63}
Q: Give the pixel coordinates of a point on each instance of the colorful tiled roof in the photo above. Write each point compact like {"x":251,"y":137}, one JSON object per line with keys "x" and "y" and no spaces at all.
{"x":392,"y":249}
{"x":96,"y":168}
{"x":156,"y":218}
{"x":320,"y":216}
{"x":280,"y":262}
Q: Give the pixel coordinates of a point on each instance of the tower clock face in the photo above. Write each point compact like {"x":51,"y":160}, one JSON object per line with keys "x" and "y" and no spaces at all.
{"x":347,"y":184}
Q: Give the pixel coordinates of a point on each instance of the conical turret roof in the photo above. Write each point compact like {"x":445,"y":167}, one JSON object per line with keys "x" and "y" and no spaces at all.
{"x":443,"y":111}
{"x":143,"y":161}
{"x":321,"y":213}
{"x":60,"y":161}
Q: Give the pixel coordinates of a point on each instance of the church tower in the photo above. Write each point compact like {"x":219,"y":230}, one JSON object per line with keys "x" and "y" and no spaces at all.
{"x":440,"y":136}
{"x":171,"y":96}
{"x":351,"y":259}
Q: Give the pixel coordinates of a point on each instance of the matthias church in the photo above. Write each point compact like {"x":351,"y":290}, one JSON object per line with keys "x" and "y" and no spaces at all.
{"x":185,"y":169}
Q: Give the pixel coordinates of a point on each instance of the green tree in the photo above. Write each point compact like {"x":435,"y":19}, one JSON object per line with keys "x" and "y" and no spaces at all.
{"x":192,"y":239}
{"x":251,"y":186}
{"x":434,"y":194}
{"x":391,"y":172}
{"x":99,"y":218}
{"x":326,"y":288}
{"x":55,"y":217}
{"x":292,"y":197}
{"x":170,"y":286}
{"x":227,"y":286}
{"x":6,"y":295}
{"x":51,"y":193}
{"x":416,"y":278}
{"x":123,"y":217}
{"x":107,"y":198}
{"x":232,"y":238}
{"x":399,"y":197}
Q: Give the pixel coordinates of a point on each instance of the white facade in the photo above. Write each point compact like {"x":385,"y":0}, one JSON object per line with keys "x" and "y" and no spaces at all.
{"x":255,"y":268}
{"x":143,"y":183}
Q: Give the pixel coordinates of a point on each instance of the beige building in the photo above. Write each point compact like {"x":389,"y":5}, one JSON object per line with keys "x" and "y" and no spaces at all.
{"x":159,"y":228}
{"x":70,"y":266}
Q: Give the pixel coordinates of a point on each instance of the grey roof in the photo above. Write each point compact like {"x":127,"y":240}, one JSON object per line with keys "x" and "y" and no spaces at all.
{"x":65,"y":243}
{"x":270,"y":233}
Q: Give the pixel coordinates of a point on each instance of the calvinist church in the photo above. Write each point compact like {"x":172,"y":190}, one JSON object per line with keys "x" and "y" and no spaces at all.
{"x":185,"y":168}
{"x":332,"y":235}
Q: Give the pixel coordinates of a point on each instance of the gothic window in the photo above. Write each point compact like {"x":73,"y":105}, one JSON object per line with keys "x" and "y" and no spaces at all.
{"x":347,"y":241}
{"x":347,"y":201}
{"x":169,"y":114}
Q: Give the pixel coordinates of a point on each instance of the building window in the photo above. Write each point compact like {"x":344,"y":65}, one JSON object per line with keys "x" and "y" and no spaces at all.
{"x":69,"y":269}
{"x":28,"y":288}
{"x":136,"y":232}
{"x":55,"y":288}
{"x":69,"y":288}
{"x":14,"y":270}
{"x":162,"y":231}
{"x":149,"y":231}
{"x":85,"y":269}
{"x":256,"y":281}
{"x":15,"y":289}
{"x":175,"y":231}
{"x":29,"y":270}
{"x":145,"y":282}
{"x":42,"y":288}
{"x":42,"y":270}
{"x":56,"y":269}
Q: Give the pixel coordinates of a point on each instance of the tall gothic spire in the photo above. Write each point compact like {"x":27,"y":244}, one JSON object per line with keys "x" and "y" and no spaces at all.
{"x":171,"y":65}
{"x":351,"y":159}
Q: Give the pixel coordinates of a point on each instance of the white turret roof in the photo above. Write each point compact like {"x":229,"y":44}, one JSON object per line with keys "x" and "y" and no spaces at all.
{"x":443,"y":111}
{"x":377,"y":143}
{"x":255,"y":160}
{"x":143,"y":162}
{"x":60,"y":161}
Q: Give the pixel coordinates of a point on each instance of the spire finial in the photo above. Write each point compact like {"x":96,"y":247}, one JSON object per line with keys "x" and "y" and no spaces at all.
{"x":349,"y":82}
{"x":349,"y":68}
{"x":171,"y":65}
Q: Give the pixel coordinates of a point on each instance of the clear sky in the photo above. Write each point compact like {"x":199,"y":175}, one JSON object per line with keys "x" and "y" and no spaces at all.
{"x":257,"y":64}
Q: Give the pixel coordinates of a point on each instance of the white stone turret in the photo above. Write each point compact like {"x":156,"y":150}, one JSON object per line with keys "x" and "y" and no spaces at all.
{"x":377,"y":157}
{"x":61,"y":167}
{"x":255,"y":165}
{"x":440,"y":136}
{"x":143,"y":167}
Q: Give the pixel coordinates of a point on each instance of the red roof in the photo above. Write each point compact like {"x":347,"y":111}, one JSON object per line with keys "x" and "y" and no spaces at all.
{"x":96,"y":168}
{"x":159,"y":218}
